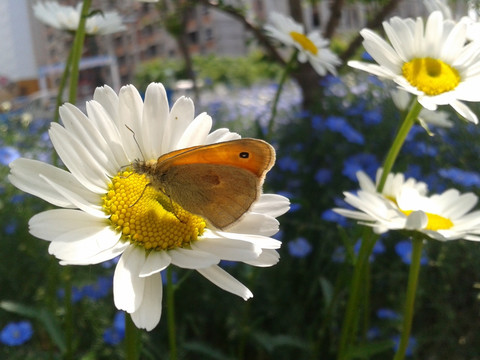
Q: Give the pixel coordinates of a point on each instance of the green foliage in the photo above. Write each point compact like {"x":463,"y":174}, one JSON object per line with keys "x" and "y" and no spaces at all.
{"x":211,"y":69}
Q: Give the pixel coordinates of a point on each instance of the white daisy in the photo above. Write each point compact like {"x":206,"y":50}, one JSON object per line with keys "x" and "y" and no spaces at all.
{"x":432,"y":61}
{"x":311,"y":47}
{"x":67,"y":18}
{"x":404,"y":205}
{"x":97,"y":220}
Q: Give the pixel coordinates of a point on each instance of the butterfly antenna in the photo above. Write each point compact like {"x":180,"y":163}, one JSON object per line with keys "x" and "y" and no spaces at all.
{"x":136,"y":142}
{"x":143,"y":192}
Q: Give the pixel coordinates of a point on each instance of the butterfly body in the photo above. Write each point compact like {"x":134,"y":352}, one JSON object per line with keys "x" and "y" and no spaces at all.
{"x":219,"y":182}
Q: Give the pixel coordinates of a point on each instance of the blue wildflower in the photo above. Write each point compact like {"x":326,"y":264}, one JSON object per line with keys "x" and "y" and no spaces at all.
{"x":375,"y":80}
{"x":294,"y":207}
{"x":461,"y":177}
{"x":359,"y":88}
{"x":323,"y":176}
{"x":378,"y":248}
{"x":119,"y":320}
{"x":8,"y":154}
{"x":414,"y":171}
{"x":353,"y":136}
{"x":356,"y":110}
{"x":420,"y":148}
{"x":163,"y":273}
{"x":363,"y":161}
{"x":372,"y":117}
{"x":225,"y":264}
{"x":330,"y":215}
{"x":288,"y":163}
{"x":334,"y":86}
{"x":116,"y":333}
{"x":98,"y":290}
{"x":340,"y":125}
{"x":17,"y":199}
{"x":16,"y":333}
{"x":318,"y":123}
{"x":366,"y":56}
{"x":336,"y":123}
{"x":110,"y":263}
{"x":338,"y":255}
{"x":11,"y":227}
{"x":414,"y":131}
{"x":412,"y":343}
{"x":404,"y":250}
{"x":77,"y":294}
{"x":373,"y":333}
{"x":387,"y":314}
{"x":299,"y":248}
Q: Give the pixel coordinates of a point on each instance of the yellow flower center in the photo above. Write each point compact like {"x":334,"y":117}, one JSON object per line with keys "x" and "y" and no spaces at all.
{"x":147,"y":217}
{"x":431,"y":76}
{"x":304,"y":41}
{"x":435,"y":222}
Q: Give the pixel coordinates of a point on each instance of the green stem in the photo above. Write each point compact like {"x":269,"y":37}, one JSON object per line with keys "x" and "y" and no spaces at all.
{"x":59,"y":102}
{"x":77,"y":51}
{"x":360,"y":271}
{"x":63,"y":82}
{"x":410,"y":297}
{"x":285,"y":73}
{"x":350,"y":321}
{"x":73,"y":59}
{"x":67,"y":278}
{"x":132,"y":339}
{"x":171,"y":314}
{"x":398,"y":142}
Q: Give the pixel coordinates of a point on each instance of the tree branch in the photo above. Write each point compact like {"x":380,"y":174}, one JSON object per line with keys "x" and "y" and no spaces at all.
{"x":334,"y":20}
{"x":296,"y":10}
{"x":374,"y":23}
{"x":257,"y":31}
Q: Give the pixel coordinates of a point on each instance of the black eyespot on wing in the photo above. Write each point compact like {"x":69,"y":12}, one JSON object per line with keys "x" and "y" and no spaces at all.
{"x":244,"y":155}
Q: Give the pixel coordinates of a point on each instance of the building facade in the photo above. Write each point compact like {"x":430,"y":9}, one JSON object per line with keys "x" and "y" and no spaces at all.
{"x":30,"y":50}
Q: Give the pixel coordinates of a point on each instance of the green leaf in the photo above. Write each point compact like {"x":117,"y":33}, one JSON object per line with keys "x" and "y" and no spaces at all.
{"x":327,"y":290}
{"x":205,"y":351}
{"x":271,"y":342}
{"x":366,"y":351}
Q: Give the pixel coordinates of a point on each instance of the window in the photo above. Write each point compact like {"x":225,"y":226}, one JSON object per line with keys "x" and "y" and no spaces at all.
{"x":193,"y":37}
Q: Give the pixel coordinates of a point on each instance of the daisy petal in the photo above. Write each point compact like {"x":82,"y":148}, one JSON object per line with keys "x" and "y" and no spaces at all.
{"x":156,"y":261}
{"x":155,"y":108}
{"x":228,"y":250}
{"x":225,"y":281}
{"x":181,"y":115}
{"x":147,"y":316}
{"x":25,"y":175}
{"x":196,"y":132}
{"x":271,"y":204}
{"x":416,"y":220}
{"x":464,"y":111}
{"x":76,"y":199}
{"x":192,"y":259}
{"x":266,"y":258}
{"x":50,"y":224}
{"x":128,"y":287}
